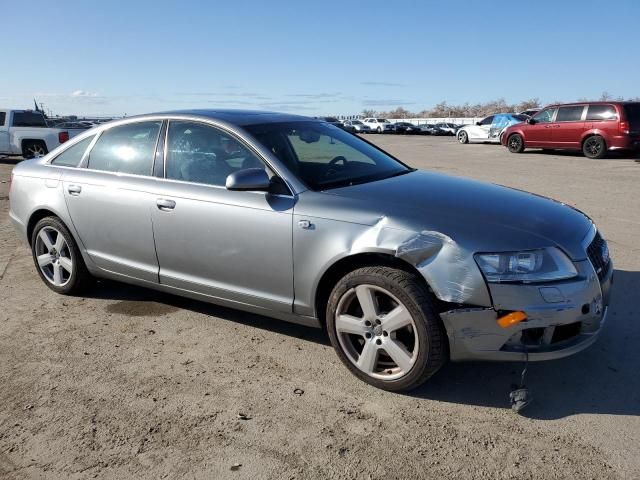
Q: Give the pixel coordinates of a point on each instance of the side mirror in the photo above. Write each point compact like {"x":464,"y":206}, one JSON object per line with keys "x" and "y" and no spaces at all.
{"x":478,"y":123}
{"x":530,"y":121}
{"x":248,"y":179}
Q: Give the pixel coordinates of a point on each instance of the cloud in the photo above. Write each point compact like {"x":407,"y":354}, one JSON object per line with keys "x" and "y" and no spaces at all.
{"x":315,"y":96}
{"x":383,"y":84}
{"x":83,"y":93}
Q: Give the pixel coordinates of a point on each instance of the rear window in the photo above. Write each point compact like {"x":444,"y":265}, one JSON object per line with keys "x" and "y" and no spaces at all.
{"x":570,"y":114}
{"x":71,"y":156}
{"x":28,"y":119}
{"x":633,"y":113}
{"x":601,"y":112}
{"x":521,"y":118}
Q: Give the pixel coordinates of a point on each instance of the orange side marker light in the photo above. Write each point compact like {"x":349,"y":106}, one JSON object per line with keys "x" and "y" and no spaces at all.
{"x":511,"y":319}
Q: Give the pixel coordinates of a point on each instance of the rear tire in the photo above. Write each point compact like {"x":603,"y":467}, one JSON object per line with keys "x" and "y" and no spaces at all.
{"x":398,"y":341}
{"x":515,"y":143}
{"x":34,"y":148}
{"x":594,"y":147}
{"x":57,"y":258}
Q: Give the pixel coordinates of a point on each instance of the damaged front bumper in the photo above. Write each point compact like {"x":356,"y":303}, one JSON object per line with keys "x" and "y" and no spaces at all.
{"x":563,"y":318}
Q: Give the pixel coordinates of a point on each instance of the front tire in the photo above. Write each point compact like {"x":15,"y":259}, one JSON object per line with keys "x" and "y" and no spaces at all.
{"x":57,"y":257}
{"x":383,"y":325}
{"x":515,"y":143}
{"x":594,"y":147}
{"x":379,"y":130}
{"x":463,"y":137}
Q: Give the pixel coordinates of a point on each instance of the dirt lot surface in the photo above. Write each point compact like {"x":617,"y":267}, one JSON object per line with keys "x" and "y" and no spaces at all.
{"x":127,"y":383}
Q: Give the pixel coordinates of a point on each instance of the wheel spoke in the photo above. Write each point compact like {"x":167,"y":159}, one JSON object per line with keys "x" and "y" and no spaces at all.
{"x":44,"y":259}
{"x":368,"y":357}
{"x":350,"y":324}
{"x":44,"y":236}
{"x":66,"y":264}
{"x":367,"y":302}
{"x":60,"y":243}
{"x":57,"y":274}
{"x":397,"y":318}
{"x":398,"y":354}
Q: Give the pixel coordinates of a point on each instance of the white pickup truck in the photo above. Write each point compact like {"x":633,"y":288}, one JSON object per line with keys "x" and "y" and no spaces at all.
{"x":25,"y":132}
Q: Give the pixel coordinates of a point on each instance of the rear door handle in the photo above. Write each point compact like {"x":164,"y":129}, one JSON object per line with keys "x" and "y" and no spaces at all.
{"x":165,"y":204}
{"x":74,"y":189}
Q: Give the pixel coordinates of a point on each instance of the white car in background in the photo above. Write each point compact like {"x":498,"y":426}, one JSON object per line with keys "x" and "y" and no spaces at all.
{"x":490,"y":128}
{"x":379,"y":125}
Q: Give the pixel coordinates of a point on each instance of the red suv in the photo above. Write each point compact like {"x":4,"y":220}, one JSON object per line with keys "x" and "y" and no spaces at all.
{"x":593,"y":127}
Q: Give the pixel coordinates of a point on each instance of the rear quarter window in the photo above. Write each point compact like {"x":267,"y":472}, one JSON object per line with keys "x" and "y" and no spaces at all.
{"x":601,"y":112}
{"x":3,"y":115}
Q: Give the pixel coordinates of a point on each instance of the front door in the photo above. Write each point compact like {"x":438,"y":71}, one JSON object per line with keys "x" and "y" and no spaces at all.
{"x":110,"y":203}
{"x":539,"y":133}
{"x":233,"y":245}
{"x":480,"y":131}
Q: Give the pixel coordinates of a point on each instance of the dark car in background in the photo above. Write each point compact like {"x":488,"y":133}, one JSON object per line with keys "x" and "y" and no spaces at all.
{"x":406,"y":128}
{"x":595,"y":128}
{"x":431,"y":129}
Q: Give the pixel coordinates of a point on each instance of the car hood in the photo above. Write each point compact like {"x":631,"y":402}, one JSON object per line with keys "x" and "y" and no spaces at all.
{"x":480,"y":216}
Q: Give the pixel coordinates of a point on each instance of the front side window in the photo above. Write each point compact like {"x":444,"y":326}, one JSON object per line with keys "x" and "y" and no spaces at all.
{"x":126,"y":148}
{"x":570,"y":114}
{"x":487,"y":121}
{"x":544,"y":116}
{"x":71,"y":156}
{"x":324,"y":156}
{"x":201,"y":153}
{"x":601,"y":112}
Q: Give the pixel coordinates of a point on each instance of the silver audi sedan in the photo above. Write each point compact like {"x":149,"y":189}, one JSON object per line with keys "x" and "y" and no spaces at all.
{"x":296,"y":219}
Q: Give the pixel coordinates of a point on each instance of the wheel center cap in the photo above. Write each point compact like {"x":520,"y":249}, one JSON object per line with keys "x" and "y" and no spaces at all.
{"x":377,"y":330}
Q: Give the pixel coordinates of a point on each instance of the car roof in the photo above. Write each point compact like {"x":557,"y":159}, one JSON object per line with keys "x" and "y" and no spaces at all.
{"x":599,"y":102}
{"x":236,"y":117}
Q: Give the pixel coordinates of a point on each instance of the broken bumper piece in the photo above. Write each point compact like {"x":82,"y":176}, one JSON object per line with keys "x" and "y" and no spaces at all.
{"x":563,"y":318}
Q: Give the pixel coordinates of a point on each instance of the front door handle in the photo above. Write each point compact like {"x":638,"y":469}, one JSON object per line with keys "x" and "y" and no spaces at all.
{"x":74,"y":189}
{"x":165,"y":204}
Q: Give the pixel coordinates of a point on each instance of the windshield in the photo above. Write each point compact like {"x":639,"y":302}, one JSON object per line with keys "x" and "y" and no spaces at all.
{"x":324,"y":156}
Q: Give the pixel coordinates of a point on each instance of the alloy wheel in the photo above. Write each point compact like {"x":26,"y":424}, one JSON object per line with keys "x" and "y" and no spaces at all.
{"x":376,"y":332}
{"x":54,"y":256}
{"x":462,"y":137}
{"x":36,"y":150}
{"x":593,"y":146}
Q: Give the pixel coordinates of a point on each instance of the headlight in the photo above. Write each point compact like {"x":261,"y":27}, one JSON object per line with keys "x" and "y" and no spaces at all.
{"x":529,"y":266}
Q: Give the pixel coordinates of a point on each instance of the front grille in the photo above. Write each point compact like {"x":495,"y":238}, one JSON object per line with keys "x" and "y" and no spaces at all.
{"x":596,"y":253}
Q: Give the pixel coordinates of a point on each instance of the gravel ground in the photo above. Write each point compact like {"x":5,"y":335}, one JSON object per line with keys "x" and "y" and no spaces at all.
{"x":128,"y":383}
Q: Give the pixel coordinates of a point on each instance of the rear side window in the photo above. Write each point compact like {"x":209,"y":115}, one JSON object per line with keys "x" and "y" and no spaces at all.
{"x":28,"y":119}
{"x":3,"y":115}
{"x":71,"y":156}
{"x":601,"y":112}
{"x":570,"y":114}
{"x":126,"y":149}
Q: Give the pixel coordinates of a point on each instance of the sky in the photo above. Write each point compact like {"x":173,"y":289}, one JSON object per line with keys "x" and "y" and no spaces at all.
{"x":313,"y":58}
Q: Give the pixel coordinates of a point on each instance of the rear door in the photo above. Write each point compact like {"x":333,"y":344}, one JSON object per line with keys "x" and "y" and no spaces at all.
{"x":110,"y":199}
{"x":540,"y":132}
{"x":569,"y":126}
